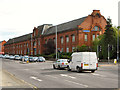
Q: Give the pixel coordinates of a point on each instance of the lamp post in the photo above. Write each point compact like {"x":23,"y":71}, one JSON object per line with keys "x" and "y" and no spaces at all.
{"x":118,"y":44}
{"x":56,"y":42}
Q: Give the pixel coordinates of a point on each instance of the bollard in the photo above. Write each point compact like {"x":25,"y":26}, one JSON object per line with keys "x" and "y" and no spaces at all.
{"x":115,"y":61}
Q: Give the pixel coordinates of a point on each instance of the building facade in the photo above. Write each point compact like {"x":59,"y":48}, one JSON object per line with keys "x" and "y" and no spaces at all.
{"x":80,"y":32}
{"x":2,"y":46}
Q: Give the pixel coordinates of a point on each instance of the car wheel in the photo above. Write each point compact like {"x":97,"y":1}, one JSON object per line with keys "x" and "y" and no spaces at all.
{"x":59,"y":67}
{"x":93,"y":71}
{"x":54,"y":67}
{"x":78,"y":69}
{"x":68,"y":68}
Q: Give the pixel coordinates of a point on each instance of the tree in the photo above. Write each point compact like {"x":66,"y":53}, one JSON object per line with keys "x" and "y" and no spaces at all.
{"x":110,"y":37}
{"x":49,"y":47}
{"x":82,"y":48}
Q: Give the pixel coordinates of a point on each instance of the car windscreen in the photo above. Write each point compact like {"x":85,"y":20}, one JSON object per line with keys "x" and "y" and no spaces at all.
{"x":63,"y":60}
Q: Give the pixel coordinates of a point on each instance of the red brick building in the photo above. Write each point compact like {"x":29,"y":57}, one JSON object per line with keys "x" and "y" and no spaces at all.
{"x":69,"y":35}
{"x":2,"y":46}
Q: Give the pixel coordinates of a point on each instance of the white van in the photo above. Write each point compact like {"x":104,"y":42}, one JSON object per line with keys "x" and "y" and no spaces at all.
{"x":83,"y":61}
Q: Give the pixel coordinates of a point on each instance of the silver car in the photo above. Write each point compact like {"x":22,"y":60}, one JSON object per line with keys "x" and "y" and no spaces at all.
{"x":12,"y":57}
{"x":17,"y":57}
{"x":60,"y":63}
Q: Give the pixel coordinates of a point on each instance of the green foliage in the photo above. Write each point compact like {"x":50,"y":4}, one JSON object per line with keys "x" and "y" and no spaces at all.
{"x":82,"y":48}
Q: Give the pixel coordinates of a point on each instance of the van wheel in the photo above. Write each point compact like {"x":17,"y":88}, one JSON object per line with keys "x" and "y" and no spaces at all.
{"x":54,"y":67}
{"x":78,"y":69}
{"x":59,"y":67}
{"x":93,"y":71}
{"x":68,"y":68}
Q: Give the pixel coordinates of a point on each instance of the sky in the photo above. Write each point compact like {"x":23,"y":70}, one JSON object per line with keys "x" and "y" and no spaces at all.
{"x":19,"y":17}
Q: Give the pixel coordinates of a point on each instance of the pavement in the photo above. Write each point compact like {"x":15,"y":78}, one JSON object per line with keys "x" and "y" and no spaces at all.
{"x":42,"y":75}
{"x":10,"y":81}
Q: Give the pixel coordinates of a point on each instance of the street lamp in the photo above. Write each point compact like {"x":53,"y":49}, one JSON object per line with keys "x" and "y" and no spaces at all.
{"x":56,"y":42}
{"x":118,"y":44}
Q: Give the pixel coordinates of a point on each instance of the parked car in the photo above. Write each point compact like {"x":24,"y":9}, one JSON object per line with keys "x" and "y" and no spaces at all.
{"x":7,"y":56}
{"x":60,"y":63}
{"x":31,"y":59}
{"x":12,"y":57}
{"x":35,"y":59}
{"x":83,"y":61}
{"x":17,"y":57}
{"x":26,"y":58}
{"x":41,"y":59}
{"x":1,"y":56}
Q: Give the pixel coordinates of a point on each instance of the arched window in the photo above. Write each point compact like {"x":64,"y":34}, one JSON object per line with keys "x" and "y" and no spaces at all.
{"x":96,"y":28}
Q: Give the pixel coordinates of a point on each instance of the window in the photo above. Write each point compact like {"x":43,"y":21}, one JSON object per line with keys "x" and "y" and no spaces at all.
{"x":97,"y":35}
{"x":93,"y":37}
{"x":34,"y":51}
{"x":73,"y":38}
{"x":61,"y":40}
{"x":38,"y":42}
{"x":54,"y":40}
{"x":39,"y":51}
{"x":67,"y":39}
{"x":27,"y":44}
{"x":73,"y":49}
{"x":34,"y":43}
{"x":45,"y":41}
{"x":96,"y":28}
{"x":86,"y":36}
{"x":62,"y":49}
{"x":67,"y":49}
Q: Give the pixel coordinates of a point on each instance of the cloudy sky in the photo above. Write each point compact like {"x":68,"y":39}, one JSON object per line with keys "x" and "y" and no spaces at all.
{"x":19,"y":17}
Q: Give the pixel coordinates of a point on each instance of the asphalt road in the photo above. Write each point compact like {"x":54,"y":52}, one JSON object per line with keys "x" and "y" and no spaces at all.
{"x":42,"y":75}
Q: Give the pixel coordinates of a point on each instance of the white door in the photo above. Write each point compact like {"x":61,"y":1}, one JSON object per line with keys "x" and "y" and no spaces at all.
{"x":93,"y":60}
{"x":85,"y":60}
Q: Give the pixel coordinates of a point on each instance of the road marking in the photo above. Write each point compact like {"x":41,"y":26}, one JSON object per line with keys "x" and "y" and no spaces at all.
{"x":64,"y":75}
{"x":35,"y":78}
{"x":77,"y":83}
{"x":98,"y":74}
{"x":26,"y":69}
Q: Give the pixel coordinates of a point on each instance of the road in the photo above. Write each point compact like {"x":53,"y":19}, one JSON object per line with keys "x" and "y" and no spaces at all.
{"x":42,"y":75}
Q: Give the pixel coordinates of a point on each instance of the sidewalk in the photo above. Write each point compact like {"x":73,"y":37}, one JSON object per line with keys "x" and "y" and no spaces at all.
{"x":100,"y":64}
{"x":10,"y":81}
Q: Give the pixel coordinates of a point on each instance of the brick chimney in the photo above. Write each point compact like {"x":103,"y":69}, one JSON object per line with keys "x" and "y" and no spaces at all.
{"x":96,"y":12}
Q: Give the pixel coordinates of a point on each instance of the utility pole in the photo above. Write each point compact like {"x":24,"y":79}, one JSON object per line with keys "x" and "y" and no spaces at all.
{"x":56,"y":42}
{"x":31,"y":44}
{"x":108,"y":53}
{"x":98,"y":52}
{"x":118,"y":45}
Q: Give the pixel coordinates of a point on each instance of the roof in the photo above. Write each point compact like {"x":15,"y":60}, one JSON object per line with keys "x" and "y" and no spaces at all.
{"x":65,"y":26}
{"x":19,"y":39}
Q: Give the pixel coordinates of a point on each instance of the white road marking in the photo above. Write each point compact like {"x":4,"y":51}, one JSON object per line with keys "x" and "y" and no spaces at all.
{"x":51,"y":76}
{"x":35,"y":78}
{"x":64,"y":75}
{"x":77,"y":83}
{"x":98,"y":74}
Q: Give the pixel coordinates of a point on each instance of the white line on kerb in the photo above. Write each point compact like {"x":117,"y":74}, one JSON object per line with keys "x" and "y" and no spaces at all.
{"x":77,"y":83}
{"x":35,"y":78}
{"x":64,"y":75}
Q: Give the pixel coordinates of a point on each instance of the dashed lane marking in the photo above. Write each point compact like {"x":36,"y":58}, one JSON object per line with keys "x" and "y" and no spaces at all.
{"x":77,"y":83}
{"x":35,"y":78}
{"x":95,"y":74}
{"x":64,"y":75}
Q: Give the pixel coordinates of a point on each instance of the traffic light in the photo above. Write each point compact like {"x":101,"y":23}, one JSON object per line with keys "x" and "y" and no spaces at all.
{"x":99,"y":48}
{"x":111,"y":47}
